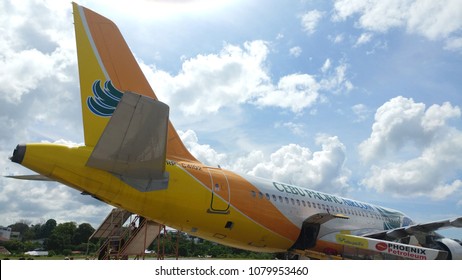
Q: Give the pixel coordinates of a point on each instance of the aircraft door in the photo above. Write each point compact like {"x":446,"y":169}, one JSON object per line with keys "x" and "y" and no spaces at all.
{"x":220,"y":198}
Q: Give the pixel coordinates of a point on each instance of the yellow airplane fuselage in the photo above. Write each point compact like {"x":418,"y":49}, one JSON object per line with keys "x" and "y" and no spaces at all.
{"x":185,"y":205}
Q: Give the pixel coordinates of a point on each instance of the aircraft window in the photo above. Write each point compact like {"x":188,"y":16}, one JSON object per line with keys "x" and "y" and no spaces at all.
{"x":260,"y":195}
{"x":314,"y":205}
{"x":323,"y":207}
{"x":293,"y":201}
{"x":217,"y":187}
{"x":267,"y":196}
{"x":298,"y":202}
{"x":280,"y":199}
{"x":319,"y":206}
{"x":304,"y":204}
{"x":274,"y":197}
{"x":253,"y":194}
{"x":287,"y":200}
{"x":309,"y":204}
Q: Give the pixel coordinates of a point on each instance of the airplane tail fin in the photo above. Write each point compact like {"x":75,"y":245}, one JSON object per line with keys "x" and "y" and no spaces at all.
{"x":107,"y":69}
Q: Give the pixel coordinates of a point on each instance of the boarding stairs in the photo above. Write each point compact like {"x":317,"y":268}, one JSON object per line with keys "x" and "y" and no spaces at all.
{"x":114,"y":220}
{"x":119,"y":241}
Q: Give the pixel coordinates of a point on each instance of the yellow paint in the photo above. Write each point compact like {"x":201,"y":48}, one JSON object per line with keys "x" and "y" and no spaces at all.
{"x":89,"y":71}
{"x":183,"y":205}
{"x":350,"y":240}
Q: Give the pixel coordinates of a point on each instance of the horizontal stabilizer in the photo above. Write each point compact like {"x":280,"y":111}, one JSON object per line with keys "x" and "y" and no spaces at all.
{"x":33,"y":177}
{"x":133,"y":144}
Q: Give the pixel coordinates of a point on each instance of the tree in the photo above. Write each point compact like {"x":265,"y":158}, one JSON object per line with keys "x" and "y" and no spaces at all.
{"x":62,"y":237}
{"x":82,"y":233}
{"x":47,"y":228}
{"x":20,"y":227}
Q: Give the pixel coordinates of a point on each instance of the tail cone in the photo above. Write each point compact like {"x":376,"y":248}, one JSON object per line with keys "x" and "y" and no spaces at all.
{"x":18,"y":153}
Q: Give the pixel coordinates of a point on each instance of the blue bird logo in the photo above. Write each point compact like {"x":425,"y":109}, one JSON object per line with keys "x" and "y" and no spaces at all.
{"x":105,"y":100}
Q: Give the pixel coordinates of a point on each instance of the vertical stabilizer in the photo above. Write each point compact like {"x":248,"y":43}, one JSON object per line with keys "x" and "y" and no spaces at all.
{"x":107,"y":68}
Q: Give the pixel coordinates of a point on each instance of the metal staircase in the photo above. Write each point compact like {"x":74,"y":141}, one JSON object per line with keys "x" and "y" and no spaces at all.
{"x":123,"y":234}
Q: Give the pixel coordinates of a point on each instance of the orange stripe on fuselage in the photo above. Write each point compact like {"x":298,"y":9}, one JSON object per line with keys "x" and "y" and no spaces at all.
{"x":261,"y":211}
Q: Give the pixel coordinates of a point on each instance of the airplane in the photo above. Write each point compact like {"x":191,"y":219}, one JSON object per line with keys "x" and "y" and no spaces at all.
{"x":133,"y":158}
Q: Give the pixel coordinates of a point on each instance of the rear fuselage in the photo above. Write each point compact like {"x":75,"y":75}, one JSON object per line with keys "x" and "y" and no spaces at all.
{"x":212,"y":203}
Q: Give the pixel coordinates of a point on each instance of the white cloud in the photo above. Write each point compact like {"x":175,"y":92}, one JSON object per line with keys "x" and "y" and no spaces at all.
{"x":296,"y":128}
{"x":310,"y":21}
{"x":38,"y":70}
{"x":202,"y":152}
{"x":361,"y":111}
{"x":295,"y":51}
{"x":232,"y":77}
{"x":454,"y":44}
{"x":412,"y":150}
{"x":40,"y":201}
{"x":434,"y":20}
{"x":323,"y":170}
{"x":336,"y":82}
{"x":337,"y":38}
{"x":35,"y":44}
{"x":294,"y":92}
{"x":363,"y":39}
{"x":326,"y":66}
{"x":239,"y":75}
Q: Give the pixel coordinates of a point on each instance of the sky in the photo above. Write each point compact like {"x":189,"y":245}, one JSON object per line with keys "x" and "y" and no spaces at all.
{"x":357,"y":98}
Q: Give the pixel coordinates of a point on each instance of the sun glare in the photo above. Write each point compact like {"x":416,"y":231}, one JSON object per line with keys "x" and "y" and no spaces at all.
{"x":168,"y":9}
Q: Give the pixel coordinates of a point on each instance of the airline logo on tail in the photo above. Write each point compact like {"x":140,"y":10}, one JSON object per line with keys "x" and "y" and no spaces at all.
{"x":104,"y":100}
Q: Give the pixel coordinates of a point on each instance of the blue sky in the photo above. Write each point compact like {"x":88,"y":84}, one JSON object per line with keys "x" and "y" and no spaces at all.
{"x":357,"y":98}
